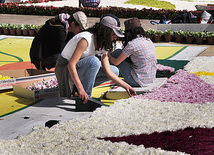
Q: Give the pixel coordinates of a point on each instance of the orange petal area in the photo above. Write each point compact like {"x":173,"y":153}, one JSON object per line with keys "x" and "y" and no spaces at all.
{"x":20,"y":65}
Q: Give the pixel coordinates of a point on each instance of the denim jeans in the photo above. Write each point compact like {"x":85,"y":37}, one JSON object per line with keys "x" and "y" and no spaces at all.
{"x":101,"y":76}
{"x":87,"y":69}
{"x":125,"y":68}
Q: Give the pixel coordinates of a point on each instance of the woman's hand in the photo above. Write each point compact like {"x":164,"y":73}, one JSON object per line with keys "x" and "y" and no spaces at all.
{"x":83,"y":95}
{"x":131,"y":91}
{"x":106,"y":66}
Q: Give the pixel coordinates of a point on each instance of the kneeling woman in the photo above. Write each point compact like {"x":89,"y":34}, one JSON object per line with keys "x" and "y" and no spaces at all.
{"x":78,"y":64}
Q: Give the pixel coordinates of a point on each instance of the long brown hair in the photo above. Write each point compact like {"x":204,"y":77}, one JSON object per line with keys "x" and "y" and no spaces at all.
{"x":132,"y":34}
{"x":102,"y":35}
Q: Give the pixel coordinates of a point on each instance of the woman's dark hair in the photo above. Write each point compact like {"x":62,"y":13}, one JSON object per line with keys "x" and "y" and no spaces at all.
{"x":56,"y":20}
{"x":103,"y":37}
{"x":71,"y":19}
{"x":132,"y":34}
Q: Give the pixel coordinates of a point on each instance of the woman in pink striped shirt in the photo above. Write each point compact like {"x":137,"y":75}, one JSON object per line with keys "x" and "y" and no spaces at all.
{"x":137,"y":60}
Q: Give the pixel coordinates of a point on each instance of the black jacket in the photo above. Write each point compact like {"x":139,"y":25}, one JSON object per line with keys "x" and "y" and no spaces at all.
{"x":49,"y":42}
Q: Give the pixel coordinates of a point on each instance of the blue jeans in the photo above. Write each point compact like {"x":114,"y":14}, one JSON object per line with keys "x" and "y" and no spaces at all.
{"x":125,"y":68}
{"x":87,"y":69}
{"x":101,"y":76}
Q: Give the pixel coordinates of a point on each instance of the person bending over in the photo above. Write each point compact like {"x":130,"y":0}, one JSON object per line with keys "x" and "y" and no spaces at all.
{"x":77,"y":64}
{"x":51,"y":38}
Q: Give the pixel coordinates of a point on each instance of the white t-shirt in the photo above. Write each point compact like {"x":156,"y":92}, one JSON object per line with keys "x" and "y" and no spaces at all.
{"x":71,"y":45}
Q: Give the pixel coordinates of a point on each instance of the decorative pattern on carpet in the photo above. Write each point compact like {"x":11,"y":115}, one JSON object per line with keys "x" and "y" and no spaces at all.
{"x":126,"y":118}
{"x":195,"y":141}
{"x":14,"y":50}
{"x":146,"y":116}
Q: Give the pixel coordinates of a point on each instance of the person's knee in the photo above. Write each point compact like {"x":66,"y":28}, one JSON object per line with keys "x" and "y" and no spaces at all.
{"x":115,"y":70}
{"x":95,"y":62}
{"x":116,"y":53}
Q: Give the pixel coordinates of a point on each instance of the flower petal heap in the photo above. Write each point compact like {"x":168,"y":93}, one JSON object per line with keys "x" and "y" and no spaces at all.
{"x":165,"y":68}
{"x":183,"y":87}
{"x":128,"y":117}
{"x":125,"y":117}
{"x":206,"y":76}
{"x":45,"y":84}
{"x":2,"y":77}
{"x":200,"y":64}
{"x":195,"y":141}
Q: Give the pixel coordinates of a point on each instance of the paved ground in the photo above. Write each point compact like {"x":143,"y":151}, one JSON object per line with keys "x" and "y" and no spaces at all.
{"x":52,"y":109}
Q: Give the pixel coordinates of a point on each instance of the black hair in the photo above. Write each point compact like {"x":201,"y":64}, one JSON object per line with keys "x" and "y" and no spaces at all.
{"x":132,"y":34}
{"x":102,"y":35}
{"x":72,"y":19}
{"x":56,"y":20}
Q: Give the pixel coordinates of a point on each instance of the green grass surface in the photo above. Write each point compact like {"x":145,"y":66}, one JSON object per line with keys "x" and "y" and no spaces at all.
{"x":152,"y":3}
{"x":199,"y":1}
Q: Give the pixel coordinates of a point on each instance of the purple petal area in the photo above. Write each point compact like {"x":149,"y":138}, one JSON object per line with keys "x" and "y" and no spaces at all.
{"x":182,"y":87}
{"x":195,"y":141}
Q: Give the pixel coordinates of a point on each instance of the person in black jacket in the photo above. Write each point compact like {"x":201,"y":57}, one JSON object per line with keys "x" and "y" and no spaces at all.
{"x":53,"y":36}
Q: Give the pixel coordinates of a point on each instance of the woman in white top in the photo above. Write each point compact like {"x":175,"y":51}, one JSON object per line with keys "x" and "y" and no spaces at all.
{"x":78,"y":64}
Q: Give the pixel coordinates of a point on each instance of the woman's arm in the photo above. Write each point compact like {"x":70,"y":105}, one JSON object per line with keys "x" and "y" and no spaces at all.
{"x":118,"y":60}
{"x":106,"y":66}
{"x":81,"y":46}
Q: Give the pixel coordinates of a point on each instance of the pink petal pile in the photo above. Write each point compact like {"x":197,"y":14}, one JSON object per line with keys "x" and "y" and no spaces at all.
{"x":45,"y":84}
{"x":165,"y":68}
{"x":182,"y":87}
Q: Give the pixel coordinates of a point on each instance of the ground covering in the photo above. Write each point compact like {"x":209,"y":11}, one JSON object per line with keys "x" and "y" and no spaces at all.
{"x":132,"y":117}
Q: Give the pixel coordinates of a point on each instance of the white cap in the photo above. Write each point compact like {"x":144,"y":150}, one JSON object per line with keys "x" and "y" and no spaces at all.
{"x":81,"y":19}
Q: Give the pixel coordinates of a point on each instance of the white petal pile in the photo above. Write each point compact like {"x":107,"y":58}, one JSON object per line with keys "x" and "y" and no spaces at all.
{"x":205,"y":64}
{"x":208,"y":79}
{"x":200,"y":64}
{"x":125,"y":117}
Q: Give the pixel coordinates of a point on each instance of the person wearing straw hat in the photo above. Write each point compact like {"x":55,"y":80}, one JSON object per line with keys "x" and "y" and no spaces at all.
{"x":53,"y":36}
{"x":137,"y":60}
{"x":78,"y":66}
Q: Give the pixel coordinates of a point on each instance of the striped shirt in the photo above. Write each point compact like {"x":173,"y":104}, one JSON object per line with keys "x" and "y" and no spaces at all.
{"x":90,"y":3}
{"x":142,"y":53}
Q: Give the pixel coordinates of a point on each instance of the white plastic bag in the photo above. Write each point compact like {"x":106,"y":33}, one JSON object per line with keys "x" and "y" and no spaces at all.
{"x":205,"y":17}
